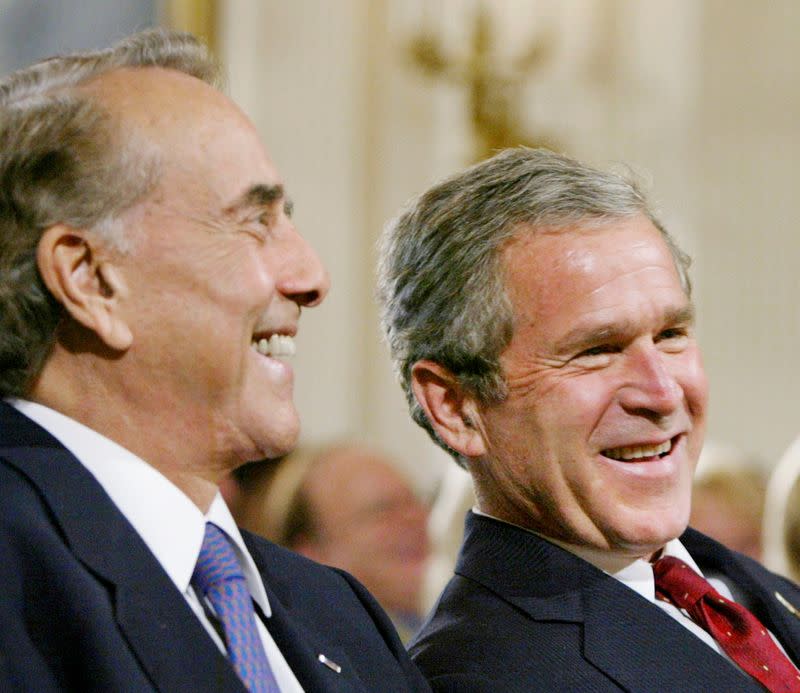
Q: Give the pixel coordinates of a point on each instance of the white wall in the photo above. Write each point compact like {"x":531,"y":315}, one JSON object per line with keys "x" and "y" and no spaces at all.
{"x":702,"y":95}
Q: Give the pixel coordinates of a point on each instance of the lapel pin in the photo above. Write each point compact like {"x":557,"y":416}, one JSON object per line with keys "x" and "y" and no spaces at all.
{"x":789,"y":607}
{"x":330,"y":663}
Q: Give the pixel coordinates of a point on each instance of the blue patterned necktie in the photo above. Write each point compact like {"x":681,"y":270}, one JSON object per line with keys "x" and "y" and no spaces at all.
{"x":218,"y":576}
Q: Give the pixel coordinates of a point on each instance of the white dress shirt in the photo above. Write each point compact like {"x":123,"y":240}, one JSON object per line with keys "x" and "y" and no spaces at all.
{"x":170,"y":524}
{"x":638,"y":575}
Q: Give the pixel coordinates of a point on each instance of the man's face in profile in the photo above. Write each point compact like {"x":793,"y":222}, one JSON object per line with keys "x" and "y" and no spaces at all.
{"x":596,"y":443}
{"x":217,"y":266}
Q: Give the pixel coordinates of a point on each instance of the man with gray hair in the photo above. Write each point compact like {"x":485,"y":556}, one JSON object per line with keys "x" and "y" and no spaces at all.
{"x":151,"y":282}
{"x":540,"y":321}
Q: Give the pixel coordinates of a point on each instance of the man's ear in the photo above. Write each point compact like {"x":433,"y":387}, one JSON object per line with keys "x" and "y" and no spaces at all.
{"x":452,"y":412}
{"x":88,"y":285}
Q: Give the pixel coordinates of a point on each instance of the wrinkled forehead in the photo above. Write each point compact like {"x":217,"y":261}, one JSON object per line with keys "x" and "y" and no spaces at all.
{"x":556,"y":266}
{"x":580,"y":239}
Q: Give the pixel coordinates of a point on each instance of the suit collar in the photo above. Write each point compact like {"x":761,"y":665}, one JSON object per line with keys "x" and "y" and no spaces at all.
{"x":152,"y":614}
{"x":145,"y":497}
{"x":300,"y":645}
{"x":619,"y":627}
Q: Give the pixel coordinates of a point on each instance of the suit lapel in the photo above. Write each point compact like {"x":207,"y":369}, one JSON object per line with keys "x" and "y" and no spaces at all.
{"x":622,"y":628}
{"x":782,"y":608}
{"x":302,"y":649}
{"x":171,"y":644}
{"x":625,"y":636}
{"x":166,"y":638}
{"x":300,"y":646}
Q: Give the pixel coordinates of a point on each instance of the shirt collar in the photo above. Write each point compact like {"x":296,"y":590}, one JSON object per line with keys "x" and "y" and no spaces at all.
{"x":170,"y":524}
{"x":221,"y":516}
{"x":636,"y":573}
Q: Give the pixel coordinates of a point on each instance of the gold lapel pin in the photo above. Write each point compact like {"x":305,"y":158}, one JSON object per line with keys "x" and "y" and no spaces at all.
{"x":329,"y":663}
{"x":789,"y":607}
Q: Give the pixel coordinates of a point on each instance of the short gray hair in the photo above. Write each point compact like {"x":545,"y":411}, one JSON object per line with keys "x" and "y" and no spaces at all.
{"x":64,"y":159}
{"x":440,"y":280}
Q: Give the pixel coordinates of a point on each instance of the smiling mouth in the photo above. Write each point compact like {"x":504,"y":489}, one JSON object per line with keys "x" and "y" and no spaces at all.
{"x":274,"y":346}
{"x":640,"y":453}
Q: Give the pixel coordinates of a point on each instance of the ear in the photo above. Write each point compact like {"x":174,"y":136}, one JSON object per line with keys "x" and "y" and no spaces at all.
{"x":452,"y":412}
{"x":88,"y":285}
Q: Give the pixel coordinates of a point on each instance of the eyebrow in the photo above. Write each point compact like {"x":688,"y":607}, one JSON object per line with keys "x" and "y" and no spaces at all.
{"x":580,"y":338}
{"x":262,"y":195}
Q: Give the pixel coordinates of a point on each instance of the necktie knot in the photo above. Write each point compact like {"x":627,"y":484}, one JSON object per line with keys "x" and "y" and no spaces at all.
{"x":217,"y":563}
{"x":678,"y":583}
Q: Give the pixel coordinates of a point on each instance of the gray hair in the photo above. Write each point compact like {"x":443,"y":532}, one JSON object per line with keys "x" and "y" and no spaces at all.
{"x":64,"y":159}
{"x":440,"y":279}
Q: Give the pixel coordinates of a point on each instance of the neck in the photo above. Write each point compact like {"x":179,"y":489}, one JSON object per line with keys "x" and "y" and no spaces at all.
{"x":607,"y":559}
{"x":154,"y":431}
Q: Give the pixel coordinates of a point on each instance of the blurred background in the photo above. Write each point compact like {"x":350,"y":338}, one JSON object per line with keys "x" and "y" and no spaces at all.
{"x":363,"y":103}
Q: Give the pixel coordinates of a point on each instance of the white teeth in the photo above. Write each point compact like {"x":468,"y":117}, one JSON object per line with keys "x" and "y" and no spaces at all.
{"x":276,"y":345}
{"x":636,"y":452}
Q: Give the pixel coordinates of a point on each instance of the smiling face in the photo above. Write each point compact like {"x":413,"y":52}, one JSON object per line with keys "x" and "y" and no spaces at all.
{"x":596,"y":443}
{"x":216,"y":271}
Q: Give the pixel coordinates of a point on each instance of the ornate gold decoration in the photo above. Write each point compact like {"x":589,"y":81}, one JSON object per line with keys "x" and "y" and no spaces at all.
{"x":495,"y":92}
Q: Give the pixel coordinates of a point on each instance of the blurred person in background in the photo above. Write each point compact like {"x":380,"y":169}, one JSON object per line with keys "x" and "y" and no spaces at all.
{"x":782,"y":516}
{"x":728,"y":498}
{"x":345,"y":505}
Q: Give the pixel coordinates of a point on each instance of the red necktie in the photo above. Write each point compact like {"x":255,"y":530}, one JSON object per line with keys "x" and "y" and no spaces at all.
{"x":737,"y":631}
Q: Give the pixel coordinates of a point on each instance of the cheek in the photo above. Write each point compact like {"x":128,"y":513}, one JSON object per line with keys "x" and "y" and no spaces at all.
{"x":696,"y":387}
{"x":258,"y":275}
{"x":577,"y":408}
{"x":241,"y":282}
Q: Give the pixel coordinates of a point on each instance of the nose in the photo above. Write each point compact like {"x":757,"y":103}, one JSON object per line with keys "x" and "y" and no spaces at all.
{"x":305,"y":279}
{"x":651,"y":389}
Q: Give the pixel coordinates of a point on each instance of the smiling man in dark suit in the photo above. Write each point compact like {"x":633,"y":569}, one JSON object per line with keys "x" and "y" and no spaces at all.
{"x":541,"y":324}
{"x":151,"y":282}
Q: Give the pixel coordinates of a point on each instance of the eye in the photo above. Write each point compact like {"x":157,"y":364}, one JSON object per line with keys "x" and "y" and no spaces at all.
{"x":597,"y":356}
{"x":255,"y":230}
{"x":596,"y":351}
{"x":258,"y":225}
{"x":673,"y":338}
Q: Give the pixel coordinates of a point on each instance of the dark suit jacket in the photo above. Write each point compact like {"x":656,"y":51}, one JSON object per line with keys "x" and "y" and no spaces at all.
{"x":522,"y":614}
{"x":85,"y":606}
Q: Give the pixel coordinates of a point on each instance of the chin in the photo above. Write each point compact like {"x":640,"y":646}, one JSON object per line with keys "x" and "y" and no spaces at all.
{"x":279,"y":445}
{"x":652,"y":539}
{"x":652,"y":532}
{"x":273,"y":434}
